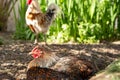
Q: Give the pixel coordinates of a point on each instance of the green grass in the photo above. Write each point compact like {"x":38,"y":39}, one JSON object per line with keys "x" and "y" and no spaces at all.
{"x":114,"y":67}
{"x":21,"y":27}
{"x":85,"y":21}
{"x":114,"y":70}
{"x":1,"y":41}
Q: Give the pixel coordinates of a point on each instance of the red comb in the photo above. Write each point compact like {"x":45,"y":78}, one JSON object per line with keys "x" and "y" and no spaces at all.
{"x":36,"y":47}
{"x":29,"y":1}
{"x":36,"y":52}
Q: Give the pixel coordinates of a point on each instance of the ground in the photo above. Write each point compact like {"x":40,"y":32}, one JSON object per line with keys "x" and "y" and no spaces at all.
{"x":14,"y":55}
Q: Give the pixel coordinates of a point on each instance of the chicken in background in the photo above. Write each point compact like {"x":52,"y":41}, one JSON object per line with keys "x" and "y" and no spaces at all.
{"x":38,"y":21}
{"x":71,"y":67}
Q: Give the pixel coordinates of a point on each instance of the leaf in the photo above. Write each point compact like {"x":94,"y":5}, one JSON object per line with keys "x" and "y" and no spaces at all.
{"x":92,"y":8}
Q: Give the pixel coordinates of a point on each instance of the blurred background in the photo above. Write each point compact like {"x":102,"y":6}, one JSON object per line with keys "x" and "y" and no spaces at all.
{"x":80,"y":21}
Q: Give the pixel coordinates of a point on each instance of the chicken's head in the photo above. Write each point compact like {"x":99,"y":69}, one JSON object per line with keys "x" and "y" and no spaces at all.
{"x":53,"y":9}
{"x":36,"y":52}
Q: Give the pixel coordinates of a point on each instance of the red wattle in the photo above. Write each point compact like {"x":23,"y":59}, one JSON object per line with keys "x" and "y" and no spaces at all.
{"x":35,"y":55}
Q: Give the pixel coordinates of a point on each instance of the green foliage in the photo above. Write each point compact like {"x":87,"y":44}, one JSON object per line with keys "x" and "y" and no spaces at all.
{"x":60,"y":36}
{"x":1,"y":41}
{"x":20,"y":22}
{"x":89,"y":33}
{"x":87,"y":21}
{"x":114,"y":67}
{"x":116,"y":78}
{"x":83,"y":21}
{"x":66,"y":27}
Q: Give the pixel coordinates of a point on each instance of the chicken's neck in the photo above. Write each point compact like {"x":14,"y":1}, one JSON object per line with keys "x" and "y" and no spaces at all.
{"x":49,"y":16}
{"x":34,"y":7}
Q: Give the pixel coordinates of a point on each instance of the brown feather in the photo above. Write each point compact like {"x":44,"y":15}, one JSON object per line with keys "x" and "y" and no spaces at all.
{"x":32,"y":28}
{"x":32,"y":16}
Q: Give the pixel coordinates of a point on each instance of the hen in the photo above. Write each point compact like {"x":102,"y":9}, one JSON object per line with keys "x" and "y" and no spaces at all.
{"x":69,"y":66}
{"x":39,"y":67}
{"x":38,"y":21}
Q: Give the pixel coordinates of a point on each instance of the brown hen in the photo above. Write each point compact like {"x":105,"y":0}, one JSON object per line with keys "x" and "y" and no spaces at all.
{"x":39,"y":67}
